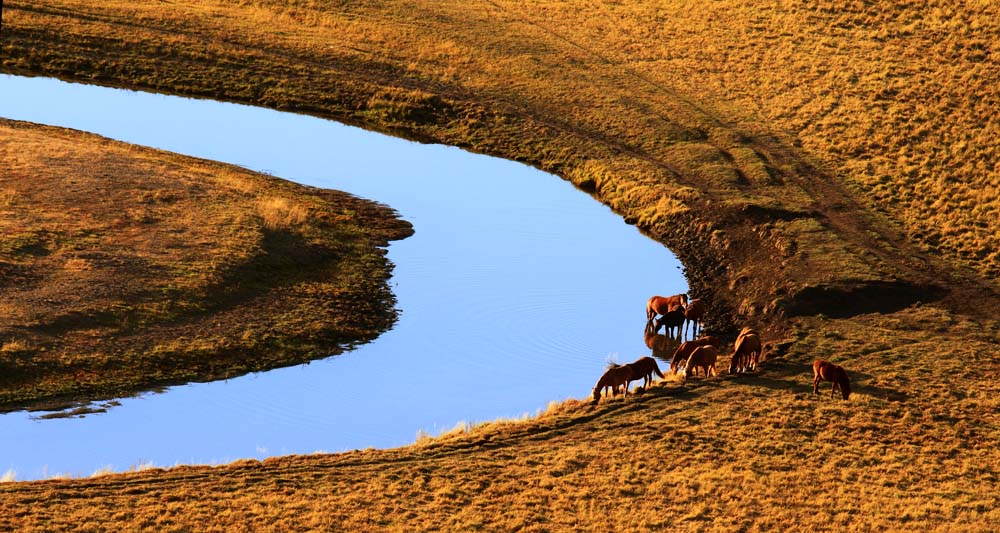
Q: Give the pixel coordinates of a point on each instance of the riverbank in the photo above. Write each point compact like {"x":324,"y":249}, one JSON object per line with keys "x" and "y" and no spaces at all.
{"x":127,"y":268}
{"x":788,"y":155}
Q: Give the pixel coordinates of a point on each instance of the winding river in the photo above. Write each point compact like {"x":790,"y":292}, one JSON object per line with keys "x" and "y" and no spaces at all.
{"x":510,"y":267}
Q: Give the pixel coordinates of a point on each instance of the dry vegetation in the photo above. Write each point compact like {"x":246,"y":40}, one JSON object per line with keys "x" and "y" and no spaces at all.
{"x":913,"y":449}
{"x":125,"y":268}
{"x":821,"y":168}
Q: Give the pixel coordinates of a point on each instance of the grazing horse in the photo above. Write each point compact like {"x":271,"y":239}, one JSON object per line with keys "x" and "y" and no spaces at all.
{"x":686,"y":348}
{"x":662,"y":304}
{"x":661,"y":345}
{"x":614,"y":377}
{"x":827,"y":371}
{"x":703,"y":357}
{"x":644,"y":367}
{"x":672,"y":319}
{"x":746,"y":352}
{"x":693,"y":312}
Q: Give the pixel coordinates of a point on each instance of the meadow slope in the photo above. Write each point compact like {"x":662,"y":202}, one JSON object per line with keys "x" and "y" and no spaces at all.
{"x":126,"y":268}
{"x":824,"y":171}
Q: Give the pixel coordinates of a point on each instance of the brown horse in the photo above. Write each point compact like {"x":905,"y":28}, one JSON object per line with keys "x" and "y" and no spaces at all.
{"x":672,"y":319}
{"x":703,"y":357}
{"x":662,"y":304}
{"x":746,"y":352}
{"x":827,"y":371}
{"x":686,"y":348}
{"x":644,"y":367}
{"x":693,"y":312}
{"x":614,"y":377}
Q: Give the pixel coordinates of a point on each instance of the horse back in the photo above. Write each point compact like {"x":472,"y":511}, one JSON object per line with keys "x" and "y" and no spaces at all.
{"x":828,"y":371}
{"x":688,"y":347}
{"x":704,"y":355}
{"x":695,"y":309}
{"x":644,"y":366}
{"x":663,"y":304}
{"x":748,"y":342}
{"x":608,"y":377}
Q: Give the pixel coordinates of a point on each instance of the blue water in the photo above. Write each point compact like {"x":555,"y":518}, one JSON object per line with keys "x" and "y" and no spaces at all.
{"x":510,"y":267}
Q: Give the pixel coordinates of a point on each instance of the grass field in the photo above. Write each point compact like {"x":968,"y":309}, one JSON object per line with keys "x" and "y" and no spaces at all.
{"x":126,"y":268}
{"x":825,"y":172}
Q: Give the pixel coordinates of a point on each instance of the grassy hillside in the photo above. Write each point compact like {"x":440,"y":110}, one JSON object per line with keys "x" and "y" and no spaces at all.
{"x":824,"y":171}
{"x":125,"y":268}
{"x":913,"y":449}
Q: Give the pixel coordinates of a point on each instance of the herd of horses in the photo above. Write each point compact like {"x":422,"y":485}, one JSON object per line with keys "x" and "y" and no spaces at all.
{"x":675,"y":313}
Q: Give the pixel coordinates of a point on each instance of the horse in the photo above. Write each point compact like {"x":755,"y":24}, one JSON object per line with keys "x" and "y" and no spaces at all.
{"x":614,"y":377}
{"x":674,"y":318}
{"x":746,"y":352}
{"x":827,"y":371}
{"x":686,"y":348}
{"x":662,"y":304}
{"x":644,"y":367}
{"x":693,"y":311}
{"x":702,"y":357}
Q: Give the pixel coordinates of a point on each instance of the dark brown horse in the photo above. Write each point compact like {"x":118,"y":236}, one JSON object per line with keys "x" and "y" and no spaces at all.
{"x":827,"y":371}
{"x":686,"y":348}
{"x":672,"y":320}
{"x":693,"y":312}
{"x":703,"y":357}
{"x":663,"y":304}
{"x":644,"y":367}
{"x":746,"y":352}
{"x":614,"y":377}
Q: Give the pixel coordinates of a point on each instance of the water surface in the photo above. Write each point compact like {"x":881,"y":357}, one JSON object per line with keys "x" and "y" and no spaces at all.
{"x":509,"y":269}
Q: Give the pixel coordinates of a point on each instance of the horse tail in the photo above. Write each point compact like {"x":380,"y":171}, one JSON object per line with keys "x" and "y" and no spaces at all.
{"x":656,"y":369}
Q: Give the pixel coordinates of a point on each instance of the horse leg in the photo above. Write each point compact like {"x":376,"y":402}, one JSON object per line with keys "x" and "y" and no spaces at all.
{"x":816,"y":383}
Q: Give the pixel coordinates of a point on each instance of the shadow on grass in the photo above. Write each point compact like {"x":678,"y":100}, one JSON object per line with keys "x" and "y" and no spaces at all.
{"x":797,"y":376}
{"x":794,"y":377}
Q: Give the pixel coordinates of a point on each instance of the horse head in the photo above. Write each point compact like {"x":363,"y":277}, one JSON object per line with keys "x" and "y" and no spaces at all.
{"x":845,"y":386}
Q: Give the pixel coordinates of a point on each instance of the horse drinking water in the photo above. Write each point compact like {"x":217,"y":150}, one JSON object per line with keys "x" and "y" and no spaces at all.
{"x":694,"y":311}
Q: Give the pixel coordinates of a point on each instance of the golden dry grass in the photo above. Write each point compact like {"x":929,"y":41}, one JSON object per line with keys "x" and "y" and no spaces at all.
{"x":125,"y":268}
{"x":912,"y":450}
{"x":819,"y":167}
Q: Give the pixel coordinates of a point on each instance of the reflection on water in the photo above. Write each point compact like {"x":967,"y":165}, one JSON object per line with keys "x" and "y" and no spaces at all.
{"x":509,"y":268}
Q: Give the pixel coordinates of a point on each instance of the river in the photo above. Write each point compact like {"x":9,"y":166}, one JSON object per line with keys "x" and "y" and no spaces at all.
{"x":510,"y":268}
